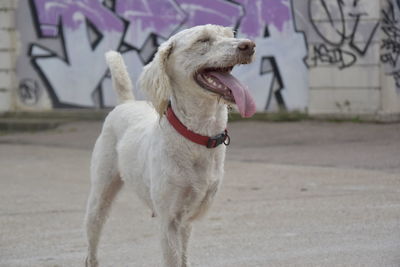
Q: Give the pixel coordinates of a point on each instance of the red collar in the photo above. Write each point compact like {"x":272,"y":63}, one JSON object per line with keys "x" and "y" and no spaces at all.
{"x":209,"y":142}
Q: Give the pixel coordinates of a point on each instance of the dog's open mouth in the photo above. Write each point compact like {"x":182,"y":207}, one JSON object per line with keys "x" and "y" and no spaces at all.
{"x":210,"y":79}
{"x":223,"y":83}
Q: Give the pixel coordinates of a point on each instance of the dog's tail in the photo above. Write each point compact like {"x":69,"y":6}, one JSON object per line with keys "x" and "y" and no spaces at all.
{"x":120,"y":77}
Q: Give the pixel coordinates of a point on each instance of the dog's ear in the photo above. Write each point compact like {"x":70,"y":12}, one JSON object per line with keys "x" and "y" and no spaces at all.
{"x":154,"y":80}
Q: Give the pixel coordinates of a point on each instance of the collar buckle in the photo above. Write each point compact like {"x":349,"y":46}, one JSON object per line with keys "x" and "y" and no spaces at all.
{"x":216,"y":140}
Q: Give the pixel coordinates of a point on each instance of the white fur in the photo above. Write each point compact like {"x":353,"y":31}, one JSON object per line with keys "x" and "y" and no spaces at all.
{"x":176,"y":178}
{"x":121,"y":80}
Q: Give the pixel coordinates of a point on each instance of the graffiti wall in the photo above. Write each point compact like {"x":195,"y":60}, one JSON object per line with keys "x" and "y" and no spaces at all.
{"x":340,"y":32}
{"x":343,"y":54}
{"x":323,"y":56}
{"x":390,"y":52}
{"x":63,"y":44}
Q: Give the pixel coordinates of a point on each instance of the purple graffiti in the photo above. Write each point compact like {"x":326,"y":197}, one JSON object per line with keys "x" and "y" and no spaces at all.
{"x":157,"y":16}
{"x":71,"y":14}
{"x":210,"y":11}
{"x":161,"y":16}
{"x":89,"y":28}
{"x":260,"y":13}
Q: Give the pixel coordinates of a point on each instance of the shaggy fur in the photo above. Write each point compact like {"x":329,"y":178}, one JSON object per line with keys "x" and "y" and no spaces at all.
{"x":176,"y":178}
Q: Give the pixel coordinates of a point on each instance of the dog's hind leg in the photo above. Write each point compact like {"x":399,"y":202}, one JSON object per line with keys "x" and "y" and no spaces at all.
{"x":106,"y":183}
{"x":99,"y":204}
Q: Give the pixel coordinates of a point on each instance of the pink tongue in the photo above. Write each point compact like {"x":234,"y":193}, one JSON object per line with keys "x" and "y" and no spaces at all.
{"x":243,"y":99}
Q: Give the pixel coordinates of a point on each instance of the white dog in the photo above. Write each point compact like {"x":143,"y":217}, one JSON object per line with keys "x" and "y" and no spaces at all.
{"x":169,"y":149}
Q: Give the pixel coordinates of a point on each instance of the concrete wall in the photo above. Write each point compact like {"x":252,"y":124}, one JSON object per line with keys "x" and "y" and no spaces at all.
{"x":343,"y":55}
{"x":320,"y":56}
{"x":350,"y":48}
{"x":7,"y":53}
{"x":390,"y":54}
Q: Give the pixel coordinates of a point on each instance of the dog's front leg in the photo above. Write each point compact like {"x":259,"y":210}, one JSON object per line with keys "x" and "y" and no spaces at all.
{"x":171,"y":243}
{"x":185,"y":232}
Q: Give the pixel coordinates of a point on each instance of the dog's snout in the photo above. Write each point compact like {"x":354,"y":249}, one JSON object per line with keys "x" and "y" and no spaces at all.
{"x":247,"y":47}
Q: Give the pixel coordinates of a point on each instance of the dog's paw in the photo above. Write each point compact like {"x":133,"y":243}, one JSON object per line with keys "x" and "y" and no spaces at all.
{"x":89,"y":262}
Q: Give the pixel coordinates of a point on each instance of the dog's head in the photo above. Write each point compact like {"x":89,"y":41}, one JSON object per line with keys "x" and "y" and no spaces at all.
{"x":199,"y":60}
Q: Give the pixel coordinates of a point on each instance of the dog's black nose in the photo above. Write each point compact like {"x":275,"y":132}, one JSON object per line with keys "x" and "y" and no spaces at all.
{"x":247,"y":47}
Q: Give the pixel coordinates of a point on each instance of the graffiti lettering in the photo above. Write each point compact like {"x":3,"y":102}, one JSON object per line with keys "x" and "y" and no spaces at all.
{"x":218,"y":12}
{"x":280,"y":53}
{"x":96,"y":29}
{"x":335,"y":56}
{"x":344,"y":35}
{"x":28,"y":90}
{"x":391,"y":42}
{"x":261,"y":13}
{"x":390,"y":47}
{"x":396,"y":76}
{"x":75,"y":73}
{"x":146,"y":17}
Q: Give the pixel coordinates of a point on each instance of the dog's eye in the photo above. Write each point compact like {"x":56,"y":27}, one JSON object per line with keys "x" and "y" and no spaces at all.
{"x":204,"y":40}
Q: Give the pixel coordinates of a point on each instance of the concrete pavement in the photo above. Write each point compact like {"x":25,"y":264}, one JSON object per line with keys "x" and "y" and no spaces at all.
{"x":295,"y":194}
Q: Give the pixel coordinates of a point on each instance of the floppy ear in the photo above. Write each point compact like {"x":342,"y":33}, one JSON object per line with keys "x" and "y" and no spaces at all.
{"x":154,"y":79}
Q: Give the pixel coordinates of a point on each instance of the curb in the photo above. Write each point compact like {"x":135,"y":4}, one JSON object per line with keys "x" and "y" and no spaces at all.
{"x":58,"y":114}
{"x":29,"y":121}
{"x":33,"y":121}
{"x":25,"y":125}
